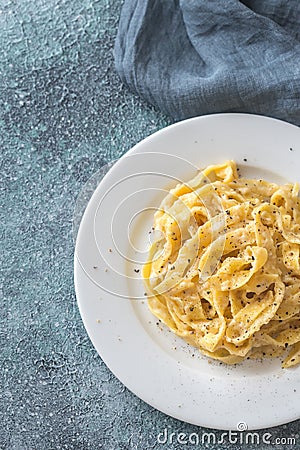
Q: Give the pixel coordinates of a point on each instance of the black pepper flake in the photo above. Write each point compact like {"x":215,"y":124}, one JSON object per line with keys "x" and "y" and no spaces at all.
{"x":136,"y":270}
{"x":245,"y":159}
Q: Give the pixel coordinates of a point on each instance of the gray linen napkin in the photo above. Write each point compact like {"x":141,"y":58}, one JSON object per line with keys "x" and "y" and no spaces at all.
{"x":194,"y":57}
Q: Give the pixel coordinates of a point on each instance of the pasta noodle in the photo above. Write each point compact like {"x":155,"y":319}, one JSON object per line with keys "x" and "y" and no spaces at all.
{"x":225,"y":273}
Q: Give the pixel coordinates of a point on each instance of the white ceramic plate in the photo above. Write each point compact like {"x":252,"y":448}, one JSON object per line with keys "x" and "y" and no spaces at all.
{"x":111,"y":247}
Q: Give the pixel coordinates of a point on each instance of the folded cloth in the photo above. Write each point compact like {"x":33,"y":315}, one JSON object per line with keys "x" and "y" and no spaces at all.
{"x":194,"y":57}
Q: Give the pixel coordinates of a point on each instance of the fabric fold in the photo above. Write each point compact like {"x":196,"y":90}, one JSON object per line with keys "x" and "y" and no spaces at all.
{"x":192,"y":57}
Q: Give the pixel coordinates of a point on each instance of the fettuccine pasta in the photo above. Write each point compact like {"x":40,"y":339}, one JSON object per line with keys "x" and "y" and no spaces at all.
{"x":225,"y":272}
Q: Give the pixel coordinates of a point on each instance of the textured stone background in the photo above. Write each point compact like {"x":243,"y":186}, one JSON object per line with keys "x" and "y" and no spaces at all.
{"x":63,"y":114}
